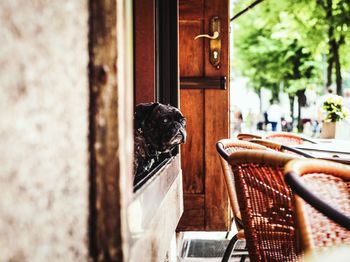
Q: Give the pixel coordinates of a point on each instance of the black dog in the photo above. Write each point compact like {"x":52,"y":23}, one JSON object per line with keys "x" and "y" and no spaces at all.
{"x":158,"y":129}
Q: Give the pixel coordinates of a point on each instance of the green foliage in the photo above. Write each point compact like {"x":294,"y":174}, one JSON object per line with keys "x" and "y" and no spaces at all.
{"x":287,"y":42}
{"x":333,"y":106}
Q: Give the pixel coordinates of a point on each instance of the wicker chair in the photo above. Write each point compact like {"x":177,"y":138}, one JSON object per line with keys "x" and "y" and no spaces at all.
{"x":280,"y":147}
{"x":323,"y":222}
{"x":247,"y":136}
{"x":286,"y":138}
{"x":265,"y":201}
{"x":225,"y":147}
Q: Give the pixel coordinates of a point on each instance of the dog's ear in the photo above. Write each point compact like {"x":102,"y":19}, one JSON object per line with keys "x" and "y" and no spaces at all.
{"x":142,"y":111}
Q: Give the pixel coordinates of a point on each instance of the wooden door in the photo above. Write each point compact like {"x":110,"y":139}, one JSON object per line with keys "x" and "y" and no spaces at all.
{"x":207,"y":112}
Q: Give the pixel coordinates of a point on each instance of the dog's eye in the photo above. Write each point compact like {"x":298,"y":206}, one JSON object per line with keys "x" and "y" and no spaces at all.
{"x":165,"y":120}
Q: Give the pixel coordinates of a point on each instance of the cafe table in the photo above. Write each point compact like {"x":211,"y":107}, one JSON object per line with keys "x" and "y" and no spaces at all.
{"x":328,"y":149}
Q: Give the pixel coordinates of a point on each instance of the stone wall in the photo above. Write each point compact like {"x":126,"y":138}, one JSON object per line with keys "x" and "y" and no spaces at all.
{"x":43,"y":130}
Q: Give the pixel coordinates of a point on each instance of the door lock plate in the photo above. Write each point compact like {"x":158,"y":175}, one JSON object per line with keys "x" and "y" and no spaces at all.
{"x":215,"y":44}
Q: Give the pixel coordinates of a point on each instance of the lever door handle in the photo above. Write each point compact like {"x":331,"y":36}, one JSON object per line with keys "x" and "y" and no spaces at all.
{"x":213,"y":37}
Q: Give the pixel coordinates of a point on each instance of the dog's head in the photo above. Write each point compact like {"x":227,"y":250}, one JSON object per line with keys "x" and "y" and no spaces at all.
{"x":163,"y":126}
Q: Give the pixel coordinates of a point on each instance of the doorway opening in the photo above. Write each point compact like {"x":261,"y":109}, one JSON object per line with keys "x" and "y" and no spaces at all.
{"x":286,"y":57}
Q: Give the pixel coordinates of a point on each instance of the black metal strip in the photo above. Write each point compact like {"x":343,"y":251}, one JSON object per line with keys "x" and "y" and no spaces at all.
{"x":221,"y":150}
{"x":203,"y":82}
{"x":246,"y":9}
{"x":297,"y":151}
{"x":167,"y":52}
{"x":227,"y":255}
{"x":293,"y":180}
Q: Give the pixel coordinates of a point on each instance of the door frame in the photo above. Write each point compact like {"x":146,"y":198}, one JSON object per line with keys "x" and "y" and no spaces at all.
{"x":110,"y":127}
{"x":111,"y":75}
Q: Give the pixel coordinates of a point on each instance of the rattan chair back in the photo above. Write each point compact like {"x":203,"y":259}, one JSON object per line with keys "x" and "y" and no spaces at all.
{"x":266,"y":205}
{"x":286,"y":138}
{"x":325,"y":188}
{"x":225,"y":148}
{"x":247,"y":136}
{"x":268,"y":143}
{"x":280,"y":147}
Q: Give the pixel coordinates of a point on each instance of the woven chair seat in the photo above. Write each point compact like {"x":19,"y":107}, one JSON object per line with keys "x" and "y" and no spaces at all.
{"x":326,"y":186}
{"x":336,"y":193}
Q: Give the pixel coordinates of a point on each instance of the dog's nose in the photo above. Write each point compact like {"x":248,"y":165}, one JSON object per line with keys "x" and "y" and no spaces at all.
{"x":183,"y":133}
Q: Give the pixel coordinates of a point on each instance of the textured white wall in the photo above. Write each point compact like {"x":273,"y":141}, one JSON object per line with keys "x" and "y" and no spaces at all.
{"x":43,"y":130}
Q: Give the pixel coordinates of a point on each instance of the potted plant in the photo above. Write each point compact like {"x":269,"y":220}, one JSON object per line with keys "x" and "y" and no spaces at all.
{"x":335,"y":113}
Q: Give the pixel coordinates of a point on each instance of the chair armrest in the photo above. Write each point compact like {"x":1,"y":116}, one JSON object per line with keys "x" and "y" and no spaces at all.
{"x":294,"y":181}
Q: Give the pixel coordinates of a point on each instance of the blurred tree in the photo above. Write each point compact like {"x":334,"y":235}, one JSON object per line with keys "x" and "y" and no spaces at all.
{"x":290,"y":43}
{"x":271,"y":55}
{"x":336,"y":17}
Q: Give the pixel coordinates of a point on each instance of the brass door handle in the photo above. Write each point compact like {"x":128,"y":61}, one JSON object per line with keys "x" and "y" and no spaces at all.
{"x":214,"y":36}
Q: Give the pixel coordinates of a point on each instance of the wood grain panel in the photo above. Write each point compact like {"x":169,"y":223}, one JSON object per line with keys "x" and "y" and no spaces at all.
{"x":216,"y":198}
{"x":144,"y":51}
{"x":191,"y":51}
{"x":192,"y":106}
{"x":216,"y":125}
{"x":191,"y":9}
{"x":193,"y":216}
{"x":193,"y":150}
{"x":207,"y":113}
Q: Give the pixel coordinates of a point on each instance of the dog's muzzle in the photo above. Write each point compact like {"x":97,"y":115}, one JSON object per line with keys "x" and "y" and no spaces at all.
{"x":179,"y":137}
{"x":183,"y":134}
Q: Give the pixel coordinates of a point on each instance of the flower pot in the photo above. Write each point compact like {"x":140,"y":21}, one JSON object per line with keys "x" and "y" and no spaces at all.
{"x":338,"y":130}
{"x":328,"y":130}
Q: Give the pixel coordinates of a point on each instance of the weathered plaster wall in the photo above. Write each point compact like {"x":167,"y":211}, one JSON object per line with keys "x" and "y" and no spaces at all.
{"x":43,"y":130}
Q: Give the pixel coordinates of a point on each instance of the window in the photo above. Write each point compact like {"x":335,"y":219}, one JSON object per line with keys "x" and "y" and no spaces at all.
{"x":155,"y":60}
